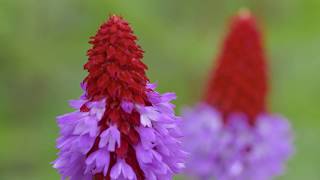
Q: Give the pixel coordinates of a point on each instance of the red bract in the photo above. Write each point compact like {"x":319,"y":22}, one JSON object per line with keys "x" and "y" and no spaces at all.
{"x":117,"y":74}
{"x":239,"y":83}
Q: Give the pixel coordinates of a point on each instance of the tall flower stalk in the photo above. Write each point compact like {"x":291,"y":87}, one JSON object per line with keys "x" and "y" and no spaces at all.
{"x":121,"y":127}
{"x":230,"y":134}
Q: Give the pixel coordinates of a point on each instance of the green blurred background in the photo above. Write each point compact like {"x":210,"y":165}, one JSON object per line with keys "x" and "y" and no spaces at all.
{"x":43,"y":45}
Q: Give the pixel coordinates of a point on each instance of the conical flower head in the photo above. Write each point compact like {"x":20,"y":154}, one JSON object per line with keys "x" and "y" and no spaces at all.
{"x":230,"y":135}
{"x":122,"y":128}
{"x":239,"y":83}
{"x":114,"y":66}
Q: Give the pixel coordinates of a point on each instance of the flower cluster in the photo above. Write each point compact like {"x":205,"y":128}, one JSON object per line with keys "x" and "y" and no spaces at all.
{"x":235,"y":150}
{"x":121,"y":128}
{"x":230,"y":134}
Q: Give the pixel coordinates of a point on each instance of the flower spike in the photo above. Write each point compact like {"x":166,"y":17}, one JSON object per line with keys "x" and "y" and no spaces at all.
{"x":230,"y":134}
{"x":121,"y":128}
{"x":239,"y":83}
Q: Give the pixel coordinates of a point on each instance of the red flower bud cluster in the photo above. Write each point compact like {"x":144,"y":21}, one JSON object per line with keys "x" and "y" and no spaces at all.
{"x":239,"y":82}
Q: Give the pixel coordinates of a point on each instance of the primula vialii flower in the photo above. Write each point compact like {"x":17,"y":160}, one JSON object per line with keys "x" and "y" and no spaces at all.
{"x":230,"y":134}
{"x":121,"y":128}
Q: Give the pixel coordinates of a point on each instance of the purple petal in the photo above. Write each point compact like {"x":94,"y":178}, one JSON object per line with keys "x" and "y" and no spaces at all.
{"x":111,"y":136}
{"x":127,"y":106}
{"x":236,"y":150}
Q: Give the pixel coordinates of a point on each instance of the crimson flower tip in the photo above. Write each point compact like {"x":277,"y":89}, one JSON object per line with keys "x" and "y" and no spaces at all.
{"x":239,"y":81}
{"x":115,"y":64}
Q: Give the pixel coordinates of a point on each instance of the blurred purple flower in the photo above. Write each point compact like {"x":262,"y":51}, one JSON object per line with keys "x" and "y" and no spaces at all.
{"x":232,"y":136}
{"x":235,"y":150}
